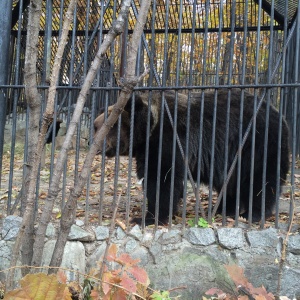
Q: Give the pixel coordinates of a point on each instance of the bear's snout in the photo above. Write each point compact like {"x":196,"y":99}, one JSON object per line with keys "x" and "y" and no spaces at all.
{"x":113,"y":136}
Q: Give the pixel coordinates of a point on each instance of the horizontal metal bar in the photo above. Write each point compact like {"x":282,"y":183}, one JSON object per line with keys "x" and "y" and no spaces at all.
{"x":166,"y":88}
{"x":162,"y":31}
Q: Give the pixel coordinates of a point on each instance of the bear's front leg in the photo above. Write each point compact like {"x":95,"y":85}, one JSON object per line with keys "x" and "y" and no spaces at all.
{"x":163,"y":194}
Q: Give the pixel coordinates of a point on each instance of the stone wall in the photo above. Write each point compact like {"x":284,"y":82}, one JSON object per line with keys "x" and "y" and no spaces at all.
{"x":193,"y":259}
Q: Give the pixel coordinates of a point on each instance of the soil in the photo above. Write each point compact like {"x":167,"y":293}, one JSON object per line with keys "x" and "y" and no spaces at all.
{"x":91,"y":201}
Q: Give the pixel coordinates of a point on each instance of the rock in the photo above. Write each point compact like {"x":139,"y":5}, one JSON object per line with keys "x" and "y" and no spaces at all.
{"x":136,"y":232}
{"x":131,"y":245}
{"x":11,"y":226}
{"x":96,"y":256}
{"x":197,"y":273}
{"x":264,"y":238}
{"x":294,"y":244}
{"x":79,"y":223}
{"x":200,"y":236}
{"x":79,"y":234}
{"x":50,"y":231}
{"x":120,"y":234}
{"x":102,"y":233}
{"x":142,"y":254}
{"x":73,"y":258}
{"x":231,"y":238}
{"x":156,"y":250}
{"x":170,"y":237}
{"x":5,"y":257}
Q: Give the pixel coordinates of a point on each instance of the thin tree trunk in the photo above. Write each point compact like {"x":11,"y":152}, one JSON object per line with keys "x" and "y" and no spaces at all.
{"x":225,"y":67}
{"x":34,"y":104}
{"x":116,"y":29}
{"x":130,"y":82}
{"x":25,"y":236}
{"x":48,"y":114}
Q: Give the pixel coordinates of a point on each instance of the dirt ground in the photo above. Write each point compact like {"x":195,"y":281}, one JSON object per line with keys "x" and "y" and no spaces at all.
{"x":90,"y":203}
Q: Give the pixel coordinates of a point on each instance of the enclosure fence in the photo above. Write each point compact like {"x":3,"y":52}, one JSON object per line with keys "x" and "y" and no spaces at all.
{"x":214,"y":124}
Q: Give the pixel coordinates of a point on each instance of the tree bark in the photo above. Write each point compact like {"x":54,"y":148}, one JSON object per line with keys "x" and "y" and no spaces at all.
{"x":34,"y":103}
{"x":116,"y":29}
{"x":48,"y":114}
{"x":36,"y":139}
{"x":130,"y":82}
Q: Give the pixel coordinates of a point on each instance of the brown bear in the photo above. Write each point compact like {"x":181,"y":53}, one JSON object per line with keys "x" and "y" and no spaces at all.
{"x":141,"y":108}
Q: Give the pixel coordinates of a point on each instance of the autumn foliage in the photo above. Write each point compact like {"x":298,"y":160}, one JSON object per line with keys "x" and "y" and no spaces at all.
{"x":123,"y":279}
{"x":40,"y":286}
{"x":244,"y":289}
{"x":126,"y":279}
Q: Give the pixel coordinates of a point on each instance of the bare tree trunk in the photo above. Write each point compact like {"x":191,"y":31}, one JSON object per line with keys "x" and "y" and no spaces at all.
{"x":25,"y":236}
{"x":225,"y":66}
{"x":130,"y":82}
{"x":34,"y":104}
{"x":116,"y":29}
{"x":48,"y":114}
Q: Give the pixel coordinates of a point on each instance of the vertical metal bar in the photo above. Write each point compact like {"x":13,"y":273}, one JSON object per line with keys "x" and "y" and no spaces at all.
{"x":251,"y":194}
{"x":282,"y":94}
{"x":211,"y":173}
{"x":117,"y":161}
{"x":53,"y":135}
{"x":130,"y":160}
{"x":45,"y":81}
{"x":47,"y":42}
{"x":131,"y":138}
{"x":188,"y":117}
{"x":161,"y":119}
{"x":85,"y":69}
{"x":201,"y":115}
{"x":191,"y":83}
{"x":173,"y":157}
{"x":105,"y":96}
{"x":294,"y":129}
{"x":5,"y":24}
{"x":101,"y":200}
{"x":175,"y":130}
{"x":111,"y":75}
{"x":232,"y":25}
{"x":149,"y":111}
{"x":268,"y":103}
{"x":239,"y":166}
{"x":14,"y":121}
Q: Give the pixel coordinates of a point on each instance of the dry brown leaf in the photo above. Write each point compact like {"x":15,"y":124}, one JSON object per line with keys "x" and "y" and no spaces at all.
{"x":40,"y":286}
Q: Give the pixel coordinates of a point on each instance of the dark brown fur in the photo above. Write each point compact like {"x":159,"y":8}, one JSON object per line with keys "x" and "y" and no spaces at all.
{"x":139,"y":142}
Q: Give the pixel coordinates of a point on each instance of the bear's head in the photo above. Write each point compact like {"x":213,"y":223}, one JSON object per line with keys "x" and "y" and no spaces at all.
{"x":112,"y":136}
{"x":141,"y":111}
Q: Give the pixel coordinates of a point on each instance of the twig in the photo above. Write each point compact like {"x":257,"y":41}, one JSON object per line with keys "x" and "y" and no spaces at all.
{"x":284,"y":246}
{"x":111,"y":231}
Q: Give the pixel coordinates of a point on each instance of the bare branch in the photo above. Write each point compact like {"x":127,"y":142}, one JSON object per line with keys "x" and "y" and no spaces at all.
{"x":130,"y":81}
{"x":116,"y":29}
{"x":48,"y":115}
{"x":284,"y":246}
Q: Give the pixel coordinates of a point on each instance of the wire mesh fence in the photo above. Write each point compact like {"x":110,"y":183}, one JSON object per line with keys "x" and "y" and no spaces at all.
{"x":206,"y":128}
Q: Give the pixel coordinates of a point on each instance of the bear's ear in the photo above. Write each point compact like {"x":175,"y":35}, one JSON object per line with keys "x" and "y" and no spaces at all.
{"x":139,"y":104}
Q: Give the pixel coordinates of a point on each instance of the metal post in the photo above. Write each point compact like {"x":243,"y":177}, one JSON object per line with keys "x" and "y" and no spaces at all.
{"x":5,"y":26}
